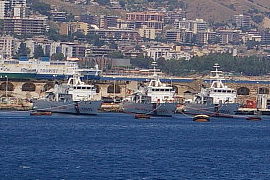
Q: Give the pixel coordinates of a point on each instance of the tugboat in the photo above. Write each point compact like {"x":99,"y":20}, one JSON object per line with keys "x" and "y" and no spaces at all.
{"x":217,"y":100}
{"x":75,"y":97}
{"x":156,"y":99}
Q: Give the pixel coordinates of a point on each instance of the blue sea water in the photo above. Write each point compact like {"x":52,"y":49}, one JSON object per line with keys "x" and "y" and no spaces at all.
{"x":117,"y":146}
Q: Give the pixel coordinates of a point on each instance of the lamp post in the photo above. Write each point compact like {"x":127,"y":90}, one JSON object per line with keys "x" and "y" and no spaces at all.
{"x":6,"y":85}
{"x":114,"y":89}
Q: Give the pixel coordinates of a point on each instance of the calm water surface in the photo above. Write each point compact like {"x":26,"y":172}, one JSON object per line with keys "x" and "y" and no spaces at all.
{"x":117,"y":146}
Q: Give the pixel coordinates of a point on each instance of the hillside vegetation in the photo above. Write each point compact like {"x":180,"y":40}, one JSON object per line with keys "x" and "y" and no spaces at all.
{"x":210,"y":10}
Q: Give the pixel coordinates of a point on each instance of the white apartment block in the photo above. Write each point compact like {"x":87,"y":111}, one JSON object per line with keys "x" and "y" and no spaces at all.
{"x":8,"y":46}
{"x":192,"y":25}
{"x":3,"y":8}
{"x":167,"y":53}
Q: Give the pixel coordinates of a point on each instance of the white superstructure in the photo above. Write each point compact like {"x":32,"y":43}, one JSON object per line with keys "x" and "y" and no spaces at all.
{"x":155,"y":99}
{"x":156,"y":91}
{"x":216,"y":100}
{"x":75,"y":97}
{"x":218,"y":93}
{"x":79,"y":90}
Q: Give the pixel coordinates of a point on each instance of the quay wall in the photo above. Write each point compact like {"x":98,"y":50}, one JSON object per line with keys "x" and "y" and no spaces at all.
{"x":27,"y":89}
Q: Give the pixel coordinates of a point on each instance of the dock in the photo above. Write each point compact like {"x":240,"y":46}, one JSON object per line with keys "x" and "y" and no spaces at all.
{"x":253,"y":111}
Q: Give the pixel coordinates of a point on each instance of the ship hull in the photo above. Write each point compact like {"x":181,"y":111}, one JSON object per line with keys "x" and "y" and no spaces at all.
{"x":223,"y":110}
{"x":154,"y":109}
{"x":18,"y":75}
{"x":82,"y":107}
{"x":44,"y":76}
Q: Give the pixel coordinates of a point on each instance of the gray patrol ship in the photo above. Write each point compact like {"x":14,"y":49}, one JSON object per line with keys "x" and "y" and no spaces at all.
{"x":156,"y":99}
{"x":75,"y":97}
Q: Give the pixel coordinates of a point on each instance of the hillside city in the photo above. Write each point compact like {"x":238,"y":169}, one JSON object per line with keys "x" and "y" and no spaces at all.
{"x":123,"y":35}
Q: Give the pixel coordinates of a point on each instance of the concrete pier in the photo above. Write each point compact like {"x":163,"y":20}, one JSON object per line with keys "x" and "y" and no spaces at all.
{"x":115,"y":89}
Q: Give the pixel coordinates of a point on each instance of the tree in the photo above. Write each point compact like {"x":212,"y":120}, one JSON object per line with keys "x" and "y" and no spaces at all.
{"x":122,"y":3}
{"x":22,"y":51}
{"x":38,"y":52}
{"x":116,"y":54}
{"x":58,"y":56}
{"x":257,"y":18}
{"x":94,"y":39}
{"x":141,"y":61}
{"x":40,"y":7}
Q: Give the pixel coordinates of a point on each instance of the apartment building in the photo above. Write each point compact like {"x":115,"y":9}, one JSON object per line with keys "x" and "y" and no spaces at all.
{"x":195,"y":26}
{"x":34,"y":25}
{"x":242,"y":21}
{"x":67,"y":28}
{"x":8,"y":46}
{"x":116,"y":34}
{"x":150,"y":19}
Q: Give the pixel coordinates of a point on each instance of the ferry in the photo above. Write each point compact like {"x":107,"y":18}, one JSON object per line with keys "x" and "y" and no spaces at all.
{"x":50,"y":70}
{"x":217,"y":100}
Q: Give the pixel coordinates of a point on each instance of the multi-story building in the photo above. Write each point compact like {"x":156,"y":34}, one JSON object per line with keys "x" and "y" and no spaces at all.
{"x":4,"y":8}
{"x":206,"y":37}
{"x":150,"y":19}
{"x":98,"y":51}
{"x":253,"y":36}
{"x":175,"y":35}
{"x":69,"y":49}
{"x":34,"y":25}
{"x":67,"y":28}
{"x":166,"y":52}
{"x":192,"y":25}
{"x":8,"y":46}
{"x":12,"y":8}
{"x":175,"y":15}
{"x":116,"y":34}
{"x":229,"y":36}
{"x":148,"y":33}
{"x":108,"y":22}
{"x":58,"y":15}
{"x":242,"y":21}
{"x":265,"y":37}
{"x":90,"y":19}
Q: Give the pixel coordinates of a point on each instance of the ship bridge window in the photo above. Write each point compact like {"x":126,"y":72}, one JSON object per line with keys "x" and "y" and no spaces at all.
{"x":162,"y":89}
{"x":218,"y":90}
{"x":243,"y":91}
{"x":224,"y":91}
{"x":83,"y":87}
{"x":167,"y":90}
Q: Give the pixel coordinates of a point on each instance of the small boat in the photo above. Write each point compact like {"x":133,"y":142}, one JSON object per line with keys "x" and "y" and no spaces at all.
{"x":142,"y":116}
{"x":254,"y":118}
{"x":201,"y":118}
{"x":36,"y":113}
